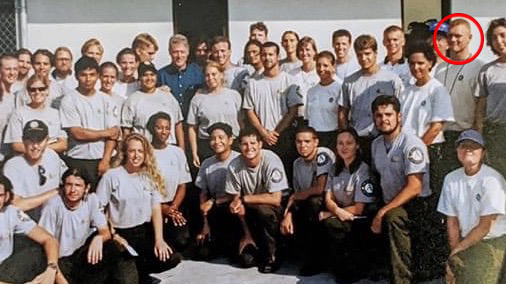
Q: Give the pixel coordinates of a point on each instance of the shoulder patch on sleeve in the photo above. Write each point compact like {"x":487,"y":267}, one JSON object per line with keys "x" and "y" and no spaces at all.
{"x":322,"y":159}
{"x":415,"y":155}
{"x":367,"y":188}
{"x":276,"y":175}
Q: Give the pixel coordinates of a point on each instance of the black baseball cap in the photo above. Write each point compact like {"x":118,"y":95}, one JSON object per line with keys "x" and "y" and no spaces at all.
{"x":220,"y":125}
{"x":35,"y":130}
{"x":145,"y":67}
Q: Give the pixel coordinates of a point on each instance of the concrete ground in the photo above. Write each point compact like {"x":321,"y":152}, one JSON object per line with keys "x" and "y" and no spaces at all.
{"x":220,"y":271}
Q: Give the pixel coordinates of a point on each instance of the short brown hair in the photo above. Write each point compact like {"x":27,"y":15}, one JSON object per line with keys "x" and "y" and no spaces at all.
{"x":364,"y":42}
{"x":306,"y":40}
{"x":143,"y":40}
{"x":340,"y":33}
{"x":258,"y":26}
{"x":460,"y":22}
{"x":495,"y":23}
{"x":391,"y":29}
{"x":218,"y":39}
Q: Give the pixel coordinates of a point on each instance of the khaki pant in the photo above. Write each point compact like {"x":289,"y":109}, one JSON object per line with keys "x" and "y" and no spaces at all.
{"x":481,"y":263}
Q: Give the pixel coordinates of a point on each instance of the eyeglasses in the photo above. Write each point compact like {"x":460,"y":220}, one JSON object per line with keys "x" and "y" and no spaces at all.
{"x":35,"y":89}
{"x":42,"y":177}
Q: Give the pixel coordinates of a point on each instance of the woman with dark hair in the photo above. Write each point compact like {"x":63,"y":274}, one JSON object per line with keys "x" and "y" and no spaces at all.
{"x":131,"y":195}
{"x":171,"y":161}
{"x":349,"y":189}
{"x":252,"y":57}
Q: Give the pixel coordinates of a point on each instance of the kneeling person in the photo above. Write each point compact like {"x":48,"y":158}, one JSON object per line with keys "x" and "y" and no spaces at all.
{"x":72,"y":217}
{"x":473,"y":198}
{"x":256,"y":180}
{"x":311,"y":170}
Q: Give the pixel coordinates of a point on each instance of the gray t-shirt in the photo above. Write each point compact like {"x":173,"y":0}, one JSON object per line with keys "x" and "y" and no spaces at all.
{"x":207,"y":109}
{"x":56,"y":93}
{"x":268,"y":176}
{"x":72,"y":227}
{"x":287,"y":66}
{"x":234,"y":77}
{"x":346,"y":69}
{"x":7,"y":107}
{"x":492,"y":84}
{"x":407,"y":155}
{"x":212,"y":175}
{"x":359,"y":91}
{"x":140,"y":106}
{"x":12,"y":221}
{"x":174,"y":169}
{"x":270,"y":98}
{"x":306,"y":173}
{"x":349,"y":188}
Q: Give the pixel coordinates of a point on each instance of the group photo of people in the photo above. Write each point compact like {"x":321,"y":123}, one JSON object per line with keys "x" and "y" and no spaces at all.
{"x":341,"y":162}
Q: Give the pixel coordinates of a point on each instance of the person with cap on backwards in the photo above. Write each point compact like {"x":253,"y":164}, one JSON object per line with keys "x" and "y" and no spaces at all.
{"x":255,"y":180}
{"x":87,"y":254}
{"x":36,"y":173}
{"x":474,"y":199}
{"x":311,"y":170}
{"x":219,"y":227}
{"x":402,"y":163}
{"x":91,"y":122}
{"x":491,"y":104}
{"x":171,"y":161}
{"x":20,"y":265}
{"x":142,"y":104}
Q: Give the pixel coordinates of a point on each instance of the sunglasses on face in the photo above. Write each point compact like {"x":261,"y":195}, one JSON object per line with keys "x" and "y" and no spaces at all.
{"x":42,"y":177}
{"x":35,"y":89}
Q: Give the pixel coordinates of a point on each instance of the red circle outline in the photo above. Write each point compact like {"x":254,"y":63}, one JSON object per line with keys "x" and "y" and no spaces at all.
{"x":434,"y":39}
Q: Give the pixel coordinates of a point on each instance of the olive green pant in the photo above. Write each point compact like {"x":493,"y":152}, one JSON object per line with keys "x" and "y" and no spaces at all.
{"x":494,"y":135}
{"x":481,"y":263}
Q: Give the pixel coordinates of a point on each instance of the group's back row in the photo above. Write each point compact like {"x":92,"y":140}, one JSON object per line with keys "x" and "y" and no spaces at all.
{"x":86,"y":118}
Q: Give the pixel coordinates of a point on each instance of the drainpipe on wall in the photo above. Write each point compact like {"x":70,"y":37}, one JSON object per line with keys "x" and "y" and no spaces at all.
{"x":21,"y":23}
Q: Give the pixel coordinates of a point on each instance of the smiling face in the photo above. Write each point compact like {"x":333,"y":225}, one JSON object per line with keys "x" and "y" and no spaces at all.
{"x":342,"y":46}
{"x":386,"y":119}
{"x":394,"y":42}
{"x":251,"y":147}
{"x":38,"y":93}
{"x":9,"y":70}
{"x":499,"y":40}
{"x":306,"y":53}
{"x":459,"y":37}
{"x":128,"y":65}
{"x":74,"y":190}
{"x":419,"y":66}
{"x":220,"y":142}
{"x":470,"y":153}
{"x":179,"y":54}
{"x":289,"y":43}
{"x":34,"y":149}
{"x":366,"y":58}
{"x":148,"y":81}
{"x":221,"y":53}
{"x":41,"y":65}
{"x":94,"y":52}
{"x":135,"y":154}
{"x":346,"y":146}
{"x":24,"y":64}
{"x":214,"y":78}
{"x":269,"y":57}
{"x":162,"y":130}
{"x":108,"y":78}
{"x":324,"y":68}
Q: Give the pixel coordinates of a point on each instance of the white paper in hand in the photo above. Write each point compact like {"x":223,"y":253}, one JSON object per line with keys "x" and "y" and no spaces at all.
{"x":131,"y":250}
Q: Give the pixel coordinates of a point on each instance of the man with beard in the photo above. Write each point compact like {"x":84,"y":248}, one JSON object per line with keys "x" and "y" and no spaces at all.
{"x":62,"y":72}
{"x":402,"y":163}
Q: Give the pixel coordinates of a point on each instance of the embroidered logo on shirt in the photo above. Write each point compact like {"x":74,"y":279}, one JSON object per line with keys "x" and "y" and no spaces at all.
{"x":367,"y":188}
{"x":276,"y":175}
{"x":331,"y":100}
{"x":424,"y":102}
{"x":415,"y":155}
{"x":322,"y":159}
{"x":461,"y":77}
{"x":478,"y":196}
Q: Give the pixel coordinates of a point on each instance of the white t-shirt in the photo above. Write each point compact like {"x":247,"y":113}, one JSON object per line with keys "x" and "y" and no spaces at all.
{"x":470,"y":197}
{"x":131,"y":197}
{"x":12,"y":221}
{"x":125,"y":89}
{"x":492,"y":84}
{"x":234,"y":77}
{"x":7,"y":106}
{"x":401,"y":69}
{"x":94,"y":112}
{"x":344,"y":70}
{"x":23,"y":114}
{"x":140,"y":106}
{"x":268,"y":176}
{"x":68,"y":83}
{"x":359,"y":91}
{"x":420,"y":106}
{"x":56,"y":93}
{"x":212,"y":175}
{"x":174,"y":169}
{"x":270,"y":98}
{"x":322,"y":107}
{"x":207,"y":109}
{"x":305,"y":81}
{"x":306,"y":173}
{"x":287,"y":66}
{"x":72,"y":227}
{"x":461,"y":82}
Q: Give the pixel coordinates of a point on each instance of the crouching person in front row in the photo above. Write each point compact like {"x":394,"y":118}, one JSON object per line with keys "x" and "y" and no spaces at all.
{"x":473,"y":198}
{"x":256,"y":180}
{"x":87,"y":254}
{"x":26,"y":264}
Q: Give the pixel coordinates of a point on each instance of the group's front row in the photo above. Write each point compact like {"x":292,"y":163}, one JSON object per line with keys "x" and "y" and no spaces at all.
{"x":335,"y":204}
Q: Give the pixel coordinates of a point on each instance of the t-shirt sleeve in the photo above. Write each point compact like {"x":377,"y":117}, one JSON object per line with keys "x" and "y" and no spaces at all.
{"x":442,"y":106}
{"x":275,"y":175}
{"x":445,"y":204}
{"x":247,"y":103}
{"x":104,"y":191}
{"x":324,"y":162}
{"x":192,"y":111}
{"x":185,"y":175}
{"x":232,"y":184}
{"x":156,"y":198}
{"x":365,"y":187}
{"x":344,"y":95}
{"x":201,"y":179}
{"x":98,"y":219}
{"x":398,"y":86}
{"x":49,"y":217}
{"x":481,"y":87}
{"x":128,"y":113}
{"x":416,"y":159}
{"x":294,"y":96}
{"x":494,"y":197}
{"x":14,"y":131}
{"x":23,"y":223}
{"x":69,"y":115}
{"x":11,"y":172}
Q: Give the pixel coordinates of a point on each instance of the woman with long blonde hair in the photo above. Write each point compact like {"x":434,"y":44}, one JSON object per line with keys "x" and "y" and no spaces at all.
{"x":131,"y":194}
